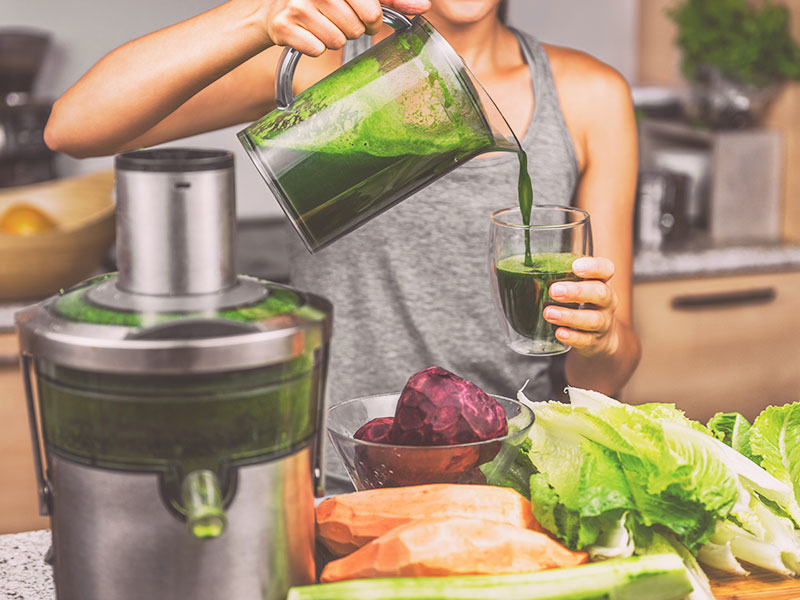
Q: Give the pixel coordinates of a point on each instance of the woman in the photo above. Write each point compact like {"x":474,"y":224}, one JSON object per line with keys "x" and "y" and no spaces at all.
{"x":410,"y":288}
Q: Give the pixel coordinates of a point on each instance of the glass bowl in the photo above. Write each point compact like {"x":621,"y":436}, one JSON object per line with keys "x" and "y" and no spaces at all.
{"x":372,"y":465}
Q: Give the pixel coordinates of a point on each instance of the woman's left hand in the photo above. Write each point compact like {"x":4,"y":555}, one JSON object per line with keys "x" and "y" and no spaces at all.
{"x":591,"y":330}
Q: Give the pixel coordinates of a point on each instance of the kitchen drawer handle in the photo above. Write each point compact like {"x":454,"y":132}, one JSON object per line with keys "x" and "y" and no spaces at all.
{"x":725,"y":299}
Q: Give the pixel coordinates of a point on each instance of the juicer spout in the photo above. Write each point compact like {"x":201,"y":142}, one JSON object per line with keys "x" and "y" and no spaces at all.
{"x":202,"y":499}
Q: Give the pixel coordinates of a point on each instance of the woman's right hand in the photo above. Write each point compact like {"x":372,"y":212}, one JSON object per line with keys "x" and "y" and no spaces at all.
{"x":205,"y":73}
{"x":311,"y":26}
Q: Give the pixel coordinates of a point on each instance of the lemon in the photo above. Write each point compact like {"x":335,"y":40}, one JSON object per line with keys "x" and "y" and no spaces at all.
{"x":24,"y":219}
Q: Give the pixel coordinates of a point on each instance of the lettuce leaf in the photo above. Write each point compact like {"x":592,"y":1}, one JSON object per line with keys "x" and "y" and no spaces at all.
{"x":691,"y":489}
{"x":579,"y":490}
{"x":775,"y":439}
{"x":734,"y":430}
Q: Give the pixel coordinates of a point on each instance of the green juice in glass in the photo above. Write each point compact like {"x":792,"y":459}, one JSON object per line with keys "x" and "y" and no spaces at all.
{"x":524,"y":293}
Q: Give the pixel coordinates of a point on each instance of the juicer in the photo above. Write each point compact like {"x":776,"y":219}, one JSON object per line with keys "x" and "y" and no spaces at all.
{"x":177,"y":408}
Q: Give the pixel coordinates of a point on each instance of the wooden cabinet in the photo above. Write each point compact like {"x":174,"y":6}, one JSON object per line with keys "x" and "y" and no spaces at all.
{"x":19,"y":506}
{"x":718,"y":344}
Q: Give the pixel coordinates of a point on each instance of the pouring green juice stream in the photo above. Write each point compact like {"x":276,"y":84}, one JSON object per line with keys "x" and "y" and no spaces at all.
{"x":525,"y":192}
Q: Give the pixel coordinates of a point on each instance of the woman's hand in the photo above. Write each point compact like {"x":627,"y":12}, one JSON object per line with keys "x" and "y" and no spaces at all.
{"x":311,"y":26}
{"x":590,"y":330}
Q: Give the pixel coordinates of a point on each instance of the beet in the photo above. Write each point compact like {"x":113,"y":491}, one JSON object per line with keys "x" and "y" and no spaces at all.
{"x":436,"y":408}
{"x":375,"y":430}
{"x":439,"y":408}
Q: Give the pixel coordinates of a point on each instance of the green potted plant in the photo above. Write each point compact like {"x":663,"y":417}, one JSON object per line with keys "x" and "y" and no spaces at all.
{"x":736,"y":54}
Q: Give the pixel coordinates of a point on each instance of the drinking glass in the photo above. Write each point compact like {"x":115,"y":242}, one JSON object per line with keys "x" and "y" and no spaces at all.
{"x":525,"y":260}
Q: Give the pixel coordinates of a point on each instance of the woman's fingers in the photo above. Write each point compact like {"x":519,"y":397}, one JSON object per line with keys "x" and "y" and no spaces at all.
{"x":594,"y":292}
{"x":588,"y":329}
{"x":291,"y":34}
{"x":318,"y":24}
{"x":330,"y":22}
{"x":344,"y":16}
{"x":591,"y":267}
{"x":598,"y":321}
{"x":583,"y":341}
{"x":369,"y":14}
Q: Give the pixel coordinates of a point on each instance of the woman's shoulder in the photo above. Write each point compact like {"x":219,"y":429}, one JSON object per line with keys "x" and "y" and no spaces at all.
{"x":592,"y":94}
{"x":582,"y":73}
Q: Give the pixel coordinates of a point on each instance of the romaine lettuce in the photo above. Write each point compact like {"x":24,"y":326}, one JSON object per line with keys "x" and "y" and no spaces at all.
{"x":775,"y":439}
{"x":609,"y":478}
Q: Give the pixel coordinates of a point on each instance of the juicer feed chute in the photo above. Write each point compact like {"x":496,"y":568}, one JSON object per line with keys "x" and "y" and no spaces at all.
{"x":181,"y":406}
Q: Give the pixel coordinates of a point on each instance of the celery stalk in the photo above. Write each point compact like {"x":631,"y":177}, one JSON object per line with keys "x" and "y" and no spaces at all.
{"x":655,"y":577}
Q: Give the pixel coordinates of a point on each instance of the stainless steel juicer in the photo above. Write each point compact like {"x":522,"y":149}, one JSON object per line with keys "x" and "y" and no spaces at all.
{"x":177,"y":408}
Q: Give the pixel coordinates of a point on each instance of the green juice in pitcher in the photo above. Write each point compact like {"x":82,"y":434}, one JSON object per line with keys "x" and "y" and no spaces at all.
{"x":357,"y":182}
{"x":524,"y":291}
{"x":338,"y":158}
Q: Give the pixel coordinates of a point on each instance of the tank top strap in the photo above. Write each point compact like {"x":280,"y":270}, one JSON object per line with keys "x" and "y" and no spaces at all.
{"x":353,"y":48}
{"x":547,"y":114}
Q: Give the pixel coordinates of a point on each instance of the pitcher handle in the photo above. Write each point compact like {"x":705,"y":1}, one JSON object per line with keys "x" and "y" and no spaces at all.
{"x":288,"y":62}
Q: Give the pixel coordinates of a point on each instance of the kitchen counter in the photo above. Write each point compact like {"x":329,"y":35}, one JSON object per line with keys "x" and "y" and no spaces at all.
{"x":263,"y":251}
{"x":23,"y":573}
{"x":702,"y":259}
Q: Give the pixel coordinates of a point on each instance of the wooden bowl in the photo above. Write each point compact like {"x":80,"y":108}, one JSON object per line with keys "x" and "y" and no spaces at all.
{"x":39,"y":265}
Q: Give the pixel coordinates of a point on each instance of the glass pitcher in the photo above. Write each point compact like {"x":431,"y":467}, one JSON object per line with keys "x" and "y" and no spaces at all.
{"x":381,"y":127}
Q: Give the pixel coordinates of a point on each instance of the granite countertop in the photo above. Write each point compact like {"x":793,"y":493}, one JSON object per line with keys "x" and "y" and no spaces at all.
{"x":703,"y":259}
{"x":23,"y":573}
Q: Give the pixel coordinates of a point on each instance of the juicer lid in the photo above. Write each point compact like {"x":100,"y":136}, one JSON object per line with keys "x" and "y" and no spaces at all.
{"x":174,"y":160}
{"x":73,"y":330}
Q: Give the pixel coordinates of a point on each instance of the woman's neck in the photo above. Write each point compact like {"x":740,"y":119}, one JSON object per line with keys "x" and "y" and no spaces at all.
{"x":480,"y":43}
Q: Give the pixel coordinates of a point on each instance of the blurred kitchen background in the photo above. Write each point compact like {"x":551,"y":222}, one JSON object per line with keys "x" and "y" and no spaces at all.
{"x":717,"y":267}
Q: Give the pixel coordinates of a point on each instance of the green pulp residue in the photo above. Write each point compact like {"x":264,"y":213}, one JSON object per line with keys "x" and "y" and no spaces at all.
{"x":366,"y":107}
{"x":544,"y":263}
{"x":73,"y":305}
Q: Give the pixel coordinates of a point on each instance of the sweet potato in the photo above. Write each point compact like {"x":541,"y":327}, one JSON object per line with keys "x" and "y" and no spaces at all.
{"x":452,"y":546}
{"x":349,"y":521}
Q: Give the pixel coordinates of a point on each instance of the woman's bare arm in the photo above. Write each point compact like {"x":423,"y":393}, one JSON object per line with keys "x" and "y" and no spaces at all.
{"x":210,"y":71}
{"x":599,"y":111}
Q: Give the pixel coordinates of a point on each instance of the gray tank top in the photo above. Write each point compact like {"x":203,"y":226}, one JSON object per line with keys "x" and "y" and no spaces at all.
{"x":411,"y":288}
